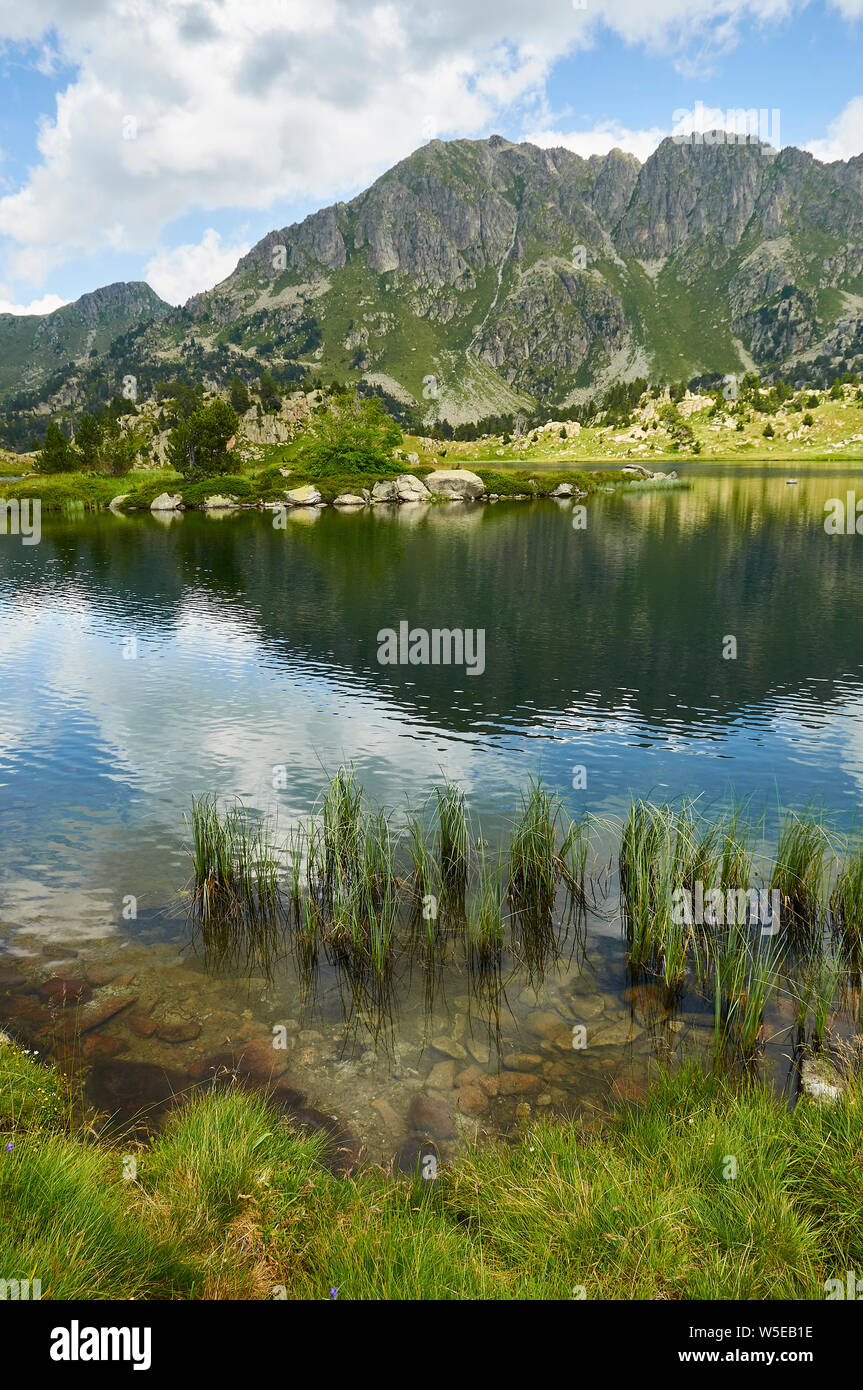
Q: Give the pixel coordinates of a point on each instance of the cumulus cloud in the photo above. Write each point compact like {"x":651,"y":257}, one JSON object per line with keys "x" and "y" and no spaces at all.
{"x":844,"y":135}
{"x":601,"y":138}
{"x":45,"y":305}
{"x":177,"y":274}
{"x":195,"y":105}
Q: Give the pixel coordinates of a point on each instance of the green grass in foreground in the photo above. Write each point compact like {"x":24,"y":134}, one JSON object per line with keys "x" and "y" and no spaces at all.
{"x":228,"y":1203}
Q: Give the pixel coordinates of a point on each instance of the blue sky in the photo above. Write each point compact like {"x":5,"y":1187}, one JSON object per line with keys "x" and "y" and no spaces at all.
{"x":158,"y":139}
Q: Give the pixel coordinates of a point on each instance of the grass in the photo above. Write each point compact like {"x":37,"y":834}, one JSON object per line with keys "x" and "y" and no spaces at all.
{"x":235,"y":898}
{"x":350,"y":888}
{"x":800,"y":872}
{"x":846,"y":902}
{"x":710,"y":1189}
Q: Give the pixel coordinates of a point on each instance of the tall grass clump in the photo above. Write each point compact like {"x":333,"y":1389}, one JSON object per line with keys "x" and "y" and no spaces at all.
{"x":341,"y":821}
{"x":651,"y":862}
{"x":235,"y":883}
{"x":453,"y":835}
{"x":846,"y":903}
{"x":484,"y":921}
{"x":746,"y":970}
{"x":801,"y":868}
{"x":820,"y":979}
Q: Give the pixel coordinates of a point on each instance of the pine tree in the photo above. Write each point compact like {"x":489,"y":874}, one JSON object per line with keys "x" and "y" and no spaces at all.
{"x":57,"y":454}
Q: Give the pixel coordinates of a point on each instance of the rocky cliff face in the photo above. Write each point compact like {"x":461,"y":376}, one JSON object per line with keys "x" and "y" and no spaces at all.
{"x":476,"y":276}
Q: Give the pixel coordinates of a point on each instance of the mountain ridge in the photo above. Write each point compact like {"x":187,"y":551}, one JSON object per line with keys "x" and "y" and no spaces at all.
{"x":483,"y":276}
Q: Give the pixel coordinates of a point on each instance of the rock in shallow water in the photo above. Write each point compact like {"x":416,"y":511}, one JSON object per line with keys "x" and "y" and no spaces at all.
{"x":64,"y":991}
{"x":433,"y":1116}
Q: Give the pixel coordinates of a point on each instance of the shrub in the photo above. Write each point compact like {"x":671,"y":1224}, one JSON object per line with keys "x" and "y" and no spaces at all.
{"x":350,"y":436}
{"x":198,"y":447}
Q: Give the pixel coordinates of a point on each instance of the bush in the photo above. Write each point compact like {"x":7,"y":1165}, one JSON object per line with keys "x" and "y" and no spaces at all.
{"x":198,"y":447}
{"x":351,"y":436}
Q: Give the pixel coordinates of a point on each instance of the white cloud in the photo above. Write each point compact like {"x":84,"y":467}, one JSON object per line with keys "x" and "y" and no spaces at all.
{"x":844,"y":135}
{"x":46,"y":305}
{"x":179,"y":273}
{"x":849,"y":9}
{"x":602,"y":138}
{"x":182,"y":106}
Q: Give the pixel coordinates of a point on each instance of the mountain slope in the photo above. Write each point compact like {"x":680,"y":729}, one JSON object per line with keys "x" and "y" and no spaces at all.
{"x":477,"y":277}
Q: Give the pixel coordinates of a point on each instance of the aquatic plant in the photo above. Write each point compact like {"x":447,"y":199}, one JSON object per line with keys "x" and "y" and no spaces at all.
{"x":745,"y":974}
{"x":453,"y":832}
{"x":235,"y":866}
{"x":485,"y":918}
{"x":801,"y":869}
{"x":846,"y":902}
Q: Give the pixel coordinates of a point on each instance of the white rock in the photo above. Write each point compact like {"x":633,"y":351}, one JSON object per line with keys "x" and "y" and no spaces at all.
{"x":114,"y":504}
{"x":411,"y":489}
{"x":167,"y":502}
{"x":819,"y":1080}
{"x":562,"y":490}
{"x":385,"y":491}
{"x":349,"y":499}
{"x":455,"y":482}
{"x":306,"y":496}
{"x":217,"y":503}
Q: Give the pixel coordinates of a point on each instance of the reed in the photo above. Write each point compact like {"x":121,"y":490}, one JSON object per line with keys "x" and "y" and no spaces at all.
{"x":341,"y":822}
{"x":846,"y":902}
{"x":534,"y":863}
{"x":649,"y":863}
{"x":746,"y":970}
{"x":485,"y":918}
{"x":235,"y":866}
{"x":452,"y":832}
{"x":801,"y":869}
{"x":821,"y":978}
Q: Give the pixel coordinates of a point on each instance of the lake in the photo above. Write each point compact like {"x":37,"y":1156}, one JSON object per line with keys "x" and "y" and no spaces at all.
{"x":145,"y":661}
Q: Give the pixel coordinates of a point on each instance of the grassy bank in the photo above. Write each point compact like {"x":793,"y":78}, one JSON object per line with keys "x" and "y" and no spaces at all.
{"x":228,"y":1202}
{"x":65,"y":492}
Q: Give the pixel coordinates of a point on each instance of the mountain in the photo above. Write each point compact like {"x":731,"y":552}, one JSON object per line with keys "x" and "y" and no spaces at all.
{"x":480,"y":276}
{"x":35,"y":348}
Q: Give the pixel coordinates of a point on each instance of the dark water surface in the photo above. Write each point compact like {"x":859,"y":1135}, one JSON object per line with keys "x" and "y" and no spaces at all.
{"x":144,"y":661}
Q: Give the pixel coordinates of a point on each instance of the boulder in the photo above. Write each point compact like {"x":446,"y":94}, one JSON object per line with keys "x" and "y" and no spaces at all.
{"x":114,"y":504}
{"x":61,"y":991}
{"x":306,"y":496}
{"x":433,"y":1116}
{"x":385,"y":491}
{"x":562,"y":490}
{"x":349,"y":499}
{"x":167,"y":502}
{"x":455,"y":482}
{"x":413,"y":459}
{"x":217,"y":503}
{"x":411,"y":489}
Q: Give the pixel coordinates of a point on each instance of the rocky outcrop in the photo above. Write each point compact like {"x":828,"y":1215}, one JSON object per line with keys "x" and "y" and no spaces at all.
{"x":167,"y":502}
{"x":455,"y":482}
